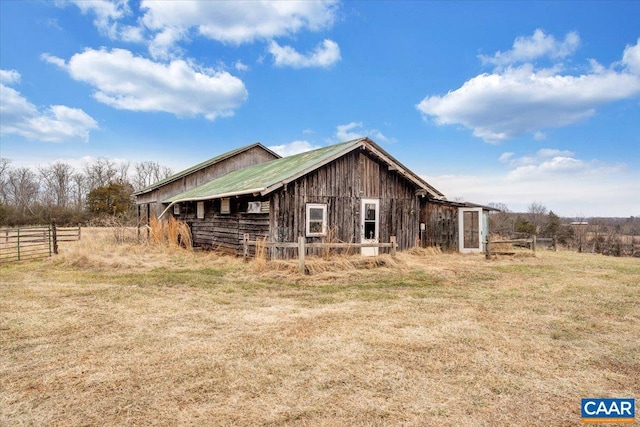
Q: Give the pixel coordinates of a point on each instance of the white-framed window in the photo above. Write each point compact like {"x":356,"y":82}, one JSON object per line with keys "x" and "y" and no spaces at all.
{"x":200,"y":210}
{"x":176,"y":209}
{"x":225,"y":205}
{"x":316,"y":219}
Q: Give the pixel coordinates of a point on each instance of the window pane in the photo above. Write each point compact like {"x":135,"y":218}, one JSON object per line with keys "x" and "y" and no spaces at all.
{"x":369,"y":230}
{"x":315,"y":227}
{"x":370,"y":211}
{"x":315,"y":214}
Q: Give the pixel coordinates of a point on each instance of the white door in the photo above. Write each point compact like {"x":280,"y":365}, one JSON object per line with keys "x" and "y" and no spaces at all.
{"x":369,"y":225}
{"x":470,"y":230}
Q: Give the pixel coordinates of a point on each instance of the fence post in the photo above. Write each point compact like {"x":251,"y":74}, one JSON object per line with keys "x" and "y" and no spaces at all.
{"x":393,"y":246}
{"x":18,"y":244}
{"x":79,"y":232}
{"x":54,"y":235}
{"x":555,"y":244}
{"x":533,"y":243}
{"x":301,"y":254}
{"x":245,"y":246}
{"x":487,"y":254}
{"x":49,"y":239}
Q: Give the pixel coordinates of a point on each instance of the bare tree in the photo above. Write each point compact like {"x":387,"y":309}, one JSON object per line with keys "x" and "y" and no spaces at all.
{"x":79,"y":189}
{"x":537,"y":214}
{"x":5,"y":167}
{"x":56,"y":180}
{"x":147,"y":173}
{"x":100,"y":173}
{"x":122,"y":174}
{"x":22,"y":189}
{"x":503,"y":221}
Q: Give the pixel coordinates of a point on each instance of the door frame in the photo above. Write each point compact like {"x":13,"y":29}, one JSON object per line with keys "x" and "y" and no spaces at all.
{"x":479,"y":226}
{"x":376,"y":237}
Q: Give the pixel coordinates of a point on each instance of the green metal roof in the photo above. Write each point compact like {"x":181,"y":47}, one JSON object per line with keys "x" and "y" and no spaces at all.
{"x":200,"y":166}
{"x":267,"y":177}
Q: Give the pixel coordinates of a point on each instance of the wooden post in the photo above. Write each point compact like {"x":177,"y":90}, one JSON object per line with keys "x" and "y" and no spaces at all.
{"x":148,"y":221}
{"x":48,"y":237}
{"x":301,"y":254}
{"x":245,"y":246}
{"x":139,"y":214}
{"x":393,"y":246}
{"x":80,"y":231}
{"x":54,"y":235}
{"x":533,"y":243}
{"x":487,"y":254}
{"x":555,"y":244}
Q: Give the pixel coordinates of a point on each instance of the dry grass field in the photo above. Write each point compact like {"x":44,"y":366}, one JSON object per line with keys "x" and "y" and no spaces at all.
{"x":133,"y":334}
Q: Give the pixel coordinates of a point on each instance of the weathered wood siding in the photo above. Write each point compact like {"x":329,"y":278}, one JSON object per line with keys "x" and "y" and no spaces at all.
{"x":252,"y":156}
{"x":341,"y":185}
{"x":224,"y":232}
{"x":441,"y":225}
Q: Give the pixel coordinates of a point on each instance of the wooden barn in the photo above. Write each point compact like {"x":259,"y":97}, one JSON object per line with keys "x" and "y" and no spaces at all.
{"x":149,"y":200}
{"x":352,"y":192}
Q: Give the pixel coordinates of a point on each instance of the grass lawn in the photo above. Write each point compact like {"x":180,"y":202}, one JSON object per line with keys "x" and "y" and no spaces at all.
{"x":128,"y":334}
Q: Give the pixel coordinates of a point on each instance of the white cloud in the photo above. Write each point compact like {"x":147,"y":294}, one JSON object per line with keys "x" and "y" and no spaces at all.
{"x":57,"y":123}
{"x":596,"y":194}
{"x":355,"y":130}
{"x":325,"y":55}
{"x":561,"y":181}
{"x":631,"y":57}
{"x":164,"y":44}
{"x":9,"y":77}
{"x":539,"y":45}
{"x":128,"y":82}
{"x":107,"y":13}
{"x":505,"y":157}
{"x":239,"y":22}
{"x":539,"y":136}
{"x":520,"y":100}
{"x":240,"y":66}
{"x":555,"y":166}
{"x":292,"y":148}
{"x":163,"y":25}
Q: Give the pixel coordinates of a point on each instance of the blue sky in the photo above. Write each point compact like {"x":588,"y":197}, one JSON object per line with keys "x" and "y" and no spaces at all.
{"x":507,"y":102}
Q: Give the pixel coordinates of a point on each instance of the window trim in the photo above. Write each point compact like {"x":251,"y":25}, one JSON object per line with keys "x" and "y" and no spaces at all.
{"x":323,"y":207}
{"x":200,"y":210}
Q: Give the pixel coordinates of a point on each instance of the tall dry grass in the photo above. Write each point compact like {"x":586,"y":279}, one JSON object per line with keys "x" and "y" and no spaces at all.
{"x":171,"y":232}
{"x":144,"y":334}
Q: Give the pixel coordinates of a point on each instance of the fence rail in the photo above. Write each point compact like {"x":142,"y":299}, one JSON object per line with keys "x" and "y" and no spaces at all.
{"x":28,"y":243}
{"x":531,"y":242}
{"x":302,"y":247}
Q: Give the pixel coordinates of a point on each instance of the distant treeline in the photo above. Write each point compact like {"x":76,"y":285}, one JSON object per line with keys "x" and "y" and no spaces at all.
{"x":609,"y":236}
{"x":101,"y":190}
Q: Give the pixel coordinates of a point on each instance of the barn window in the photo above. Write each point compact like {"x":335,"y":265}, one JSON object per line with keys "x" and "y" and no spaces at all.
{"x":200,"y":210}
{"x":225,"y":206}
{"x":253,"y":207}
{"x":316,"y":219}
{"x":176,"y":209}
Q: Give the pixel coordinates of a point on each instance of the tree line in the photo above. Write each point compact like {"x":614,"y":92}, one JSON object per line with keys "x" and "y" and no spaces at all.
{"x":60,"y":192}
{"x":609,"y":236}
